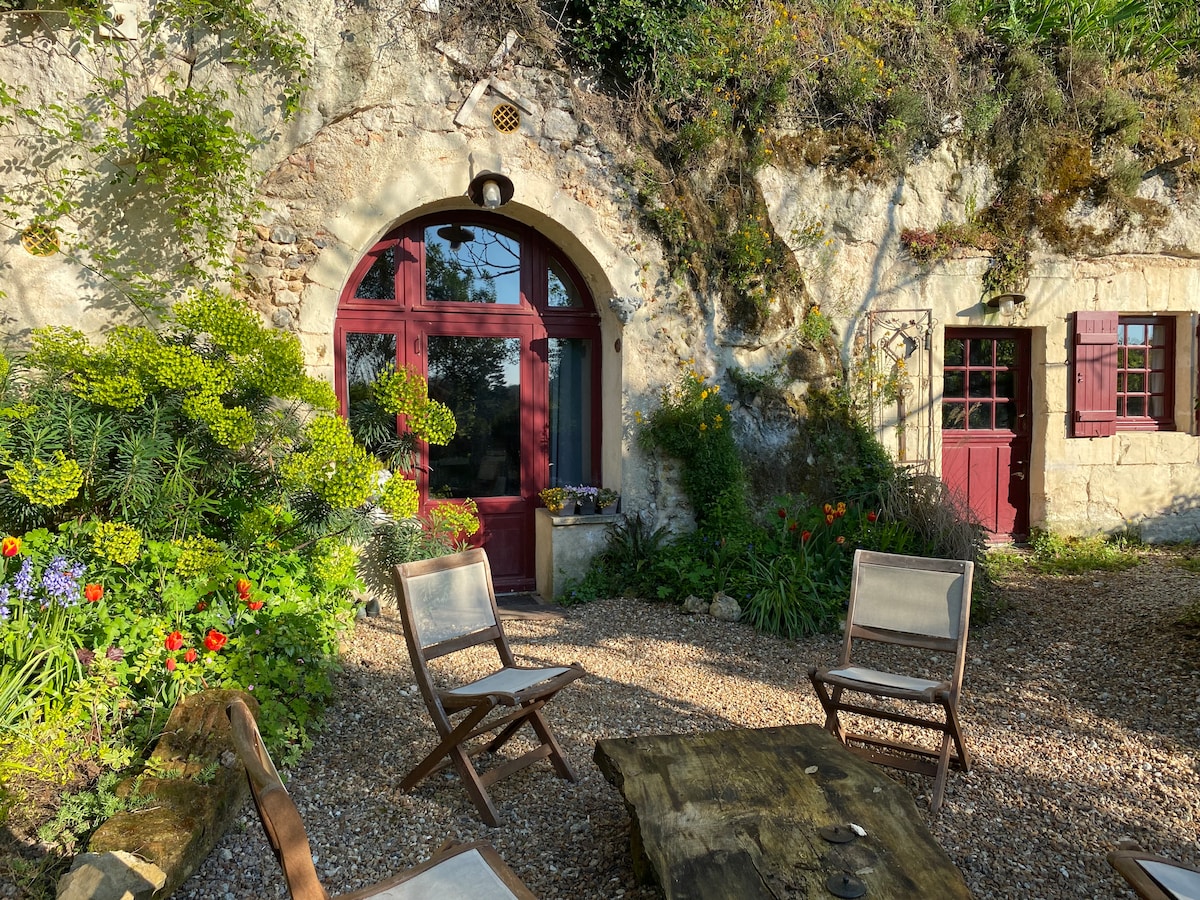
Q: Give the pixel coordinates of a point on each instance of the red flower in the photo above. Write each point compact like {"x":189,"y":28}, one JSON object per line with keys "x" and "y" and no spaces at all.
{"x":214,"y":640}
{"x":872,"y":516}
{"x":174,"y":641}
{"x":828,"y":508}
{"x":243,"y":588}
{"x":792,"y":526}
{"x":804,"y":536}
{"x":841,"y":539}
{"x":10,"y":546}
{"x":190,"y":656}
{"x":254,"y":605}
{"x":201,"y":606}
{"x":781,"y":512}
{"x":93,"y":592}
{"x":170,"y":664}
{"x":829,"y":517}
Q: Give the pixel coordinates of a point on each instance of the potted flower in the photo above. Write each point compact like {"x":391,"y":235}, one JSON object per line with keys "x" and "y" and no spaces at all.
{"x":606,"y":500}
{"x":585,"y":494}
{"x":555,"y":499}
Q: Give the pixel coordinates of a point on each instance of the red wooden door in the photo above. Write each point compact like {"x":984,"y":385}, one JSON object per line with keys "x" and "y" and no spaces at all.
{"x":986,"y":398}
{"x":500,"y":324}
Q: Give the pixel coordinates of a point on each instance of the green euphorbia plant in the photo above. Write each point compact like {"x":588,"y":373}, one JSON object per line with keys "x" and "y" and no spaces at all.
{"x":214,"y":498}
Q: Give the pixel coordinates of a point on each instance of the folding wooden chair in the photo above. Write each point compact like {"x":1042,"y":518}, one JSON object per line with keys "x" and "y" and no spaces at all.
{"x":908,"y":602}
{"x":1156,"y":877}
{"x":447,"y":605}
{"x":471,"y":871}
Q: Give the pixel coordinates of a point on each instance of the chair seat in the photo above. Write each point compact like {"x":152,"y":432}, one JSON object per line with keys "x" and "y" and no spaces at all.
{"x":1178,"y":882}
{"x":462,"y":875}
{"x":509,"y":680}
{"x":884,"y":682}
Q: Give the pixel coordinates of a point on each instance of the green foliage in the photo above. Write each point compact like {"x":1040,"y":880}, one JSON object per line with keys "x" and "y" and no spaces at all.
{"x":846,"y":458}
{"x":405,"y":392}
{"x":692,"y":426}
{"x":1104,"y":89}
{"x":82,"y":811}
{"x":627,"y":566}
{"x":182,"y":511}
{"x":140,"y":126}
{"x":628,"y":37}
{"x":1057,"y":554}
{"x":1149,"y":33}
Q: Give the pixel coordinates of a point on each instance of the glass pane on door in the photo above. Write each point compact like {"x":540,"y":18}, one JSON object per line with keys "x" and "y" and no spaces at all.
{"x":472,"y":264}
{"x":479,"y":379}
{"x":366,"y":356}
{"x":570,"y":411}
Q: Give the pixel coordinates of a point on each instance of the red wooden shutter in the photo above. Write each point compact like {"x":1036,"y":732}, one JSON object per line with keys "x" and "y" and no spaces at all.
{"x":1094,"y":394}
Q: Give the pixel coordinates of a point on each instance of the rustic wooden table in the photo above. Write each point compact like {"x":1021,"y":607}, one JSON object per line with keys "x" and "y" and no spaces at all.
{"x":737,"y":815}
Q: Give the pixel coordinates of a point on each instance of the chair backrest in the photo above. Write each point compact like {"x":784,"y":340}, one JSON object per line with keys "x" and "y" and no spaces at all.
{"x":278,"y":812}
{"x":448,"y":602}
{"x":910,"y":600}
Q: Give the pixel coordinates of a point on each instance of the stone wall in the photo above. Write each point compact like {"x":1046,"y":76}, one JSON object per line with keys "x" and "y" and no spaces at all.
{"x":397,"y":122}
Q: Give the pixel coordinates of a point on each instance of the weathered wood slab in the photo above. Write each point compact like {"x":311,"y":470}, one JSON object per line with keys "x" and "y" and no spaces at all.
{"x":733,"y":814}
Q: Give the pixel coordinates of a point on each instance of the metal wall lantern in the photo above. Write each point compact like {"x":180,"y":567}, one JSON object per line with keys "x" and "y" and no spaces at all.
{"x":490,"y":190}
{"x":1007,"y":303}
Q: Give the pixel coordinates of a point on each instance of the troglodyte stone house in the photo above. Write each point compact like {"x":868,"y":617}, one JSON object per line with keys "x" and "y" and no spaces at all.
{"x":462,"y":203}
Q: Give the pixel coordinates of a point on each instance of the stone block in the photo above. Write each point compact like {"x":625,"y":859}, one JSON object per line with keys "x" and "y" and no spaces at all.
{"x":178,"y":831}
{"x":564,"y":548}
{"x":725,"y":608}
{"x":118,"y":875}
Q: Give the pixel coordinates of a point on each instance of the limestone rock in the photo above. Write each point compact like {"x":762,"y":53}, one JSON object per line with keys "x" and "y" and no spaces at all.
{"x":118,"y":875}
{"x":694,"y":604}
{"x":725,"y":608}
{"x":178,"y":831}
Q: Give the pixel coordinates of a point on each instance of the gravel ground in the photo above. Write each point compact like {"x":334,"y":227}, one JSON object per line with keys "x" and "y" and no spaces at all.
{"x":1082,"y":709}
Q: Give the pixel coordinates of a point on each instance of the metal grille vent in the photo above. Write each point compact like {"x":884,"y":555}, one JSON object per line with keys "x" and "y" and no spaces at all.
{"x":40,"y":240}
{"x":506,"y":118}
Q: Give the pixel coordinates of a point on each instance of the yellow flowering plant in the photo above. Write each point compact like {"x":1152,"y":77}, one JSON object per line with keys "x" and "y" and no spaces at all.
{"x":690,"y":425}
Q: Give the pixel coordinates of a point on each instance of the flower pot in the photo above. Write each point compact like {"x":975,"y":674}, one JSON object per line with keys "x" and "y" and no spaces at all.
{"x":587,"y":507}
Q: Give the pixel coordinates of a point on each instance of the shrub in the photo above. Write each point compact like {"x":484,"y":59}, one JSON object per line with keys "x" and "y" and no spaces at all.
{"x":692,"y":426}
{"x":197,"y":502}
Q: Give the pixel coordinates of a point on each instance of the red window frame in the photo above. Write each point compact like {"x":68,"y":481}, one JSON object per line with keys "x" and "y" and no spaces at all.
{"x":1138,"y":364}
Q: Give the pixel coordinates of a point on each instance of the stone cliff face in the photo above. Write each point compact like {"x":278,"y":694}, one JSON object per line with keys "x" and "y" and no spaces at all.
{"x":397,"y":119}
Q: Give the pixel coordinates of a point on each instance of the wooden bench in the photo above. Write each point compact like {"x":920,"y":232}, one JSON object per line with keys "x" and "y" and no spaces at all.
{"x":740,"y":813}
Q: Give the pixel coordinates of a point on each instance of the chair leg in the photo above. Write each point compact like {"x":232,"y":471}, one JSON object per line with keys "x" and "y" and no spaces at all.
{"x":510,"y":729}
{"x":939,"y":781}
{"x":557,"y":759}
{"x":449,"y":742}
{"x":964,"y":758}
{"x":830,"y":704}
{"x":475,"y":789}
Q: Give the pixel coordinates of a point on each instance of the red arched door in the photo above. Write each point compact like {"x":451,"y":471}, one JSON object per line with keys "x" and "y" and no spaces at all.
{"x":500,"y":323}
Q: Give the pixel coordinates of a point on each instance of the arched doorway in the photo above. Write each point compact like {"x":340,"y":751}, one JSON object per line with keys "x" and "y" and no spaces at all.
{"x":503,"y":327}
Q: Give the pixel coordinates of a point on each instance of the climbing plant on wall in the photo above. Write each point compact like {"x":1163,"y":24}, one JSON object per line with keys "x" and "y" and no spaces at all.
{"x":144,"y":176}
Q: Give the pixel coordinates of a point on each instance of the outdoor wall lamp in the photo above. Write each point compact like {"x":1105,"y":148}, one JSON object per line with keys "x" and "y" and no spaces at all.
{"x":1006,"y":303}
{"x":490,"y":190}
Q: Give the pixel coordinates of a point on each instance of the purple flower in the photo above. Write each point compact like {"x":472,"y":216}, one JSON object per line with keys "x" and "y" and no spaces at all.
{"x":23,"y":580}
{"x":85,"y":656}
{"x":115,"y":654}
{"x":4,"y":611}
{"x":59,"y":582}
